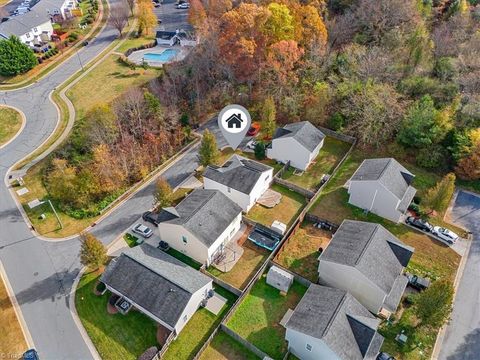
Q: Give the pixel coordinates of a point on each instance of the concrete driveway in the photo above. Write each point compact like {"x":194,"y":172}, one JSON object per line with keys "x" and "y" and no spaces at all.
{"x":462,"y":336}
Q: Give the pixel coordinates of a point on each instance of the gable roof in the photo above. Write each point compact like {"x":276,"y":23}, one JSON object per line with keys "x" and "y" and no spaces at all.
{"x":371,"y":249}
{"x":337,"y":318}
{"x":303,"y":132}
{"x":205,"y":213}
{"x":21,"y":24}
{"x":237,"y":173}
{"x":154,"y":280}
{"x":388,"y":171}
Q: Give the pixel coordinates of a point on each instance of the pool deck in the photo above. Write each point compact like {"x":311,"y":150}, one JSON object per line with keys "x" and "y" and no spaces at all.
{"x":137,"y":56}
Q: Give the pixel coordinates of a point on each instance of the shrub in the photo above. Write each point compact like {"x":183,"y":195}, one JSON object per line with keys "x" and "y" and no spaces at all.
{"x":260,"y":150}
{"x":15,"y":57}
{"x":444,"y":68}
{"x":442,"y":93}
{"x":336,"y":122}
{"x":432,"y":157}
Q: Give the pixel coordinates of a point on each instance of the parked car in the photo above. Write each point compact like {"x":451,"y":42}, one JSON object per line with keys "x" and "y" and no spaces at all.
{"x":150,"y":217}
{"x":445,"y":234}
{"x":183,"y":6}
{"x":157,"y":5}
{"x":142,"y":230}
{"x":251,"y":144}
{"x":418,"y":282}
{"x":163,"y":245}
{"x":254,"y":129}
{"x":419,"y":223}
{"x":385,"y":356}
{"x":30,"y":355}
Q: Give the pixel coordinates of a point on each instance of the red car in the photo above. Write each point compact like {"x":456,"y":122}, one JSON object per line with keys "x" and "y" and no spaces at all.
{"x":254,"y":129}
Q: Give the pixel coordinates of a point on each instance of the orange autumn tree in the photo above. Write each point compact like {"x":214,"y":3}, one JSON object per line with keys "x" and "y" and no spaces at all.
{"x":197,"y":15}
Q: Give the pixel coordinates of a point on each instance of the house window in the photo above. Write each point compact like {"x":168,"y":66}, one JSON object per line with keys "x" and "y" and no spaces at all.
{"x":231,"y":232}
{"x":27,"y":35}
{"x":268,"y":177}
{"x":185,"y":318}
{"x":35,"y":29}
{"x":184,"y":238}
{"x":309,"y":347}
{"x":229,"y":190}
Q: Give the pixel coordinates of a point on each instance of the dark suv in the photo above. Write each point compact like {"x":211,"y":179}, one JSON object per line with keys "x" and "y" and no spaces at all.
{"x":419,"y":223}
{"x":418,"y":282}
{"x":150,"y":217}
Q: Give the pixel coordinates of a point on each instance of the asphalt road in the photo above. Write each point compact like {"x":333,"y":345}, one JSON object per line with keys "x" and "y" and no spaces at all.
{"x":171,"y":17}
{"x":462,"y":337}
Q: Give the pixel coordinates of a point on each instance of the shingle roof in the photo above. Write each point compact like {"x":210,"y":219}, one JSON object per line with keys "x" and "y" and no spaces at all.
{"x":206,"y":214}
{"x":21,"y":24}
{"x":237,"y":173}
{"x":389,"y":172}
{"x":154,"y":280}
{"x":337,"y":318}
{"x":371,"y":249}
{"x":304,"y":132}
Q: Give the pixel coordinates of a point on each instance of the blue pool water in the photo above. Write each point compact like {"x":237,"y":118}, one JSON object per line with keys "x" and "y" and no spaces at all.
{"x":165,"y":56}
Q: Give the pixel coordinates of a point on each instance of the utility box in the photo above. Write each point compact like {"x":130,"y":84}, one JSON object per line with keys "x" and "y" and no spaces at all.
{"x":279,"y":279}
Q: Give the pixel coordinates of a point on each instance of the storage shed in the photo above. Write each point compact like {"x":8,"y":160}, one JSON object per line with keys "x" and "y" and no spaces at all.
{"x":279,"y":279}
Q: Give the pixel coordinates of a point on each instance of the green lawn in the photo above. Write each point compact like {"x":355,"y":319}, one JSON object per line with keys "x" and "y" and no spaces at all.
{"x":421,"y":339}
{"x":223,"y":347}
{"x":133,"y":42}
{"x":286,"y":211}
{"x":10,"y":124}
{"x":329,"y":156}
{"x":431,"y":258}
{"x":115,"y":336}
{"x":197,"y":330}
{"x":258,"y":316}
{"x":184,"y":258}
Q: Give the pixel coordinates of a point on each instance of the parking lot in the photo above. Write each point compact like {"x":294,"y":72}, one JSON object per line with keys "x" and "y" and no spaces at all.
{"x":171,"y":17}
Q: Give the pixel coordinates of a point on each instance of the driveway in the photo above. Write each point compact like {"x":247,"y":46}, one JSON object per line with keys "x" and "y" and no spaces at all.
{"x":462,"y":336}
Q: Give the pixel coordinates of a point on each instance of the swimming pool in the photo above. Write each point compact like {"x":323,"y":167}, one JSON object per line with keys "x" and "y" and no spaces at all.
{"x":164,"y":56}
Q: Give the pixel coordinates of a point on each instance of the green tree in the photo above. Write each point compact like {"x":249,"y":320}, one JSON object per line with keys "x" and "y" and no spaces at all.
{"x":433,"y":306}
{"x":260,"y":150}
{"x":269,"y":113}
{"x":438,"y":197}
{"x":93,"y":253}
{"x":163,"y":194}
{"x":15,"y":57}
{"x":423,"y":125}
{"x":279,"y":25}
{"x":208,"y":149}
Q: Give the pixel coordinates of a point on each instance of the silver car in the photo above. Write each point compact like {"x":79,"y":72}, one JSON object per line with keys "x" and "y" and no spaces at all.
{"x":142,"y":230}
{"x":445,"y":234}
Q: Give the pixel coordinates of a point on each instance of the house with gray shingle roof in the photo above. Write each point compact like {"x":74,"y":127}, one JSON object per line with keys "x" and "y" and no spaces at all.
{"x":383,"y":187}
{"x":201,"y":225}
{"x":298,"y":143}
{"x":331,"y":324}
{"x":242,"y":180}
{"x":32,"y":28}
{"x":158,"y":285}
{"x":368,"y":261}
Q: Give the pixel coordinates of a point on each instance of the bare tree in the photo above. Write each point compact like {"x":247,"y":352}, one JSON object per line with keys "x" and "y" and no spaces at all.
{"x":119,"y":17}
{"x":131,"y":5}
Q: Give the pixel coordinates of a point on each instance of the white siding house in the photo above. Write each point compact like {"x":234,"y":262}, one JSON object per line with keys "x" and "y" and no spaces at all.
{"x":201,"y":225}
{"x":367,"y":261}
{"x":382,"y":186}
{"x":242,"y":180}
{"x":331,"y":324}
{"x":31,"y":28}
{"x":298,"y":143}
{"x":158,"y":285}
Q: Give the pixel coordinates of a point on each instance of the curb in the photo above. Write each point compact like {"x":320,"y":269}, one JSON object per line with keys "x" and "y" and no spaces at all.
{"x":16,"y":308}
{"x":24,"y":121}
{"x":76,"y":318}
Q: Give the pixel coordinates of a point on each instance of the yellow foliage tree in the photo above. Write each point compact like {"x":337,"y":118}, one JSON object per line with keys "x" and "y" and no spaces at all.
{"x":147,"y":19}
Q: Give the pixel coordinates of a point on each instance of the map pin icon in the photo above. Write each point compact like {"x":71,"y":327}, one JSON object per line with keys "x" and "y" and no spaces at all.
{"x":234,"y":122}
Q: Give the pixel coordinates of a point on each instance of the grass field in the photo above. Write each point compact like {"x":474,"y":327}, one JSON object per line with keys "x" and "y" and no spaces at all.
{"x":10,"y":124}
{"x":223,"y":347}
{"x":252,"y":259}
{"x":12,"y":342}
{"x":197,"y":330}
{"x":300,"y":252}
{"x":184,"y":258}
{"x":258,"y":316}
{"x":134,"y":42}
{"x":286,"y":211}
{"x":115,"y":336}
{"x":329,"y":156}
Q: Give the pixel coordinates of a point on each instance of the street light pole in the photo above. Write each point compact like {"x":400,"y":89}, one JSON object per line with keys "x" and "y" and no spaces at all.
{"x":80,"y":61}
{"x":56,"y":215}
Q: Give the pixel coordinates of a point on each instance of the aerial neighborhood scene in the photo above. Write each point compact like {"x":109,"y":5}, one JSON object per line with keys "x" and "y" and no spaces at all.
{"x":239,"y":180}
